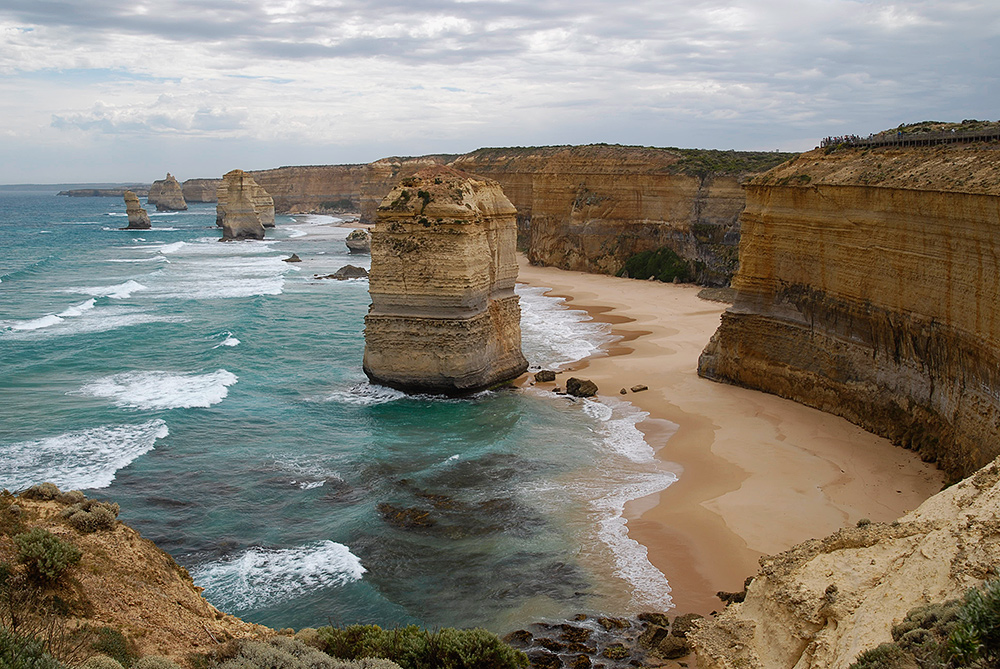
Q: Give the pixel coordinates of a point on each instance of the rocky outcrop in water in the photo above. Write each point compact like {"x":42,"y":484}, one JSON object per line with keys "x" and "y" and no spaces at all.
{"x":444,"y":316}
{"x":238,"y":208}
{"x":138,"y":219}
{"x":359,"y":241}
{"x":262,"y":203}
{"x":201,"y":190}
{"x":167,"y":195}
{"x":820,"y":604}
{"x":868,"y":287}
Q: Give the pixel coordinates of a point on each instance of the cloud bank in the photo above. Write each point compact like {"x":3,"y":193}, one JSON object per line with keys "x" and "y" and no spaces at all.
{"x":201,"y":87}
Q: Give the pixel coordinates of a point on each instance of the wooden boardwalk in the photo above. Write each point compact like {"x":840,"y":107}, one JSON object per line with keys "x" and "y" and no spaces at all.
{"x":914,"y":139}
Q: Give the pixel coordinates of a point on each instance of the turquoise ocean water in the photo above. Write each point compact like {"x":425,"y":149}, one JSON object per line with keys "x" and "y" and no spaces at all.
{"x":215,"y":392}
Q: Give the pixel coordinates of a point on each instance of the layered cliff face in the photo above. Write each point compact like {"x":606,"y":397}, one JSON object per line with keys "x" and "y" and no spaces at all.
{"x":868,"y":287}
{"x":313,"y":188}
{"x":820,"y":604}
{"x":138,"y":219}
{"x":262,"y":202}
{"x":589,"y":208}
{"x":167,"y":195}
{"x":201,"y":190}
{"x":444,"y":316}
{"x":237,"y":207}
{"x":383,"y":175}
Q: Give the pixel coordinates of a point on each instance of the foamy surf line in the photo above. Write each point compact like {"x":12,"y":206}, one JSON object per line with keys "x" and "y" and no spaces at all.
{"x":553,"y":335}
{"x":262,"y":576}
{"x":162,"y":390}
{"x":77,"y":460}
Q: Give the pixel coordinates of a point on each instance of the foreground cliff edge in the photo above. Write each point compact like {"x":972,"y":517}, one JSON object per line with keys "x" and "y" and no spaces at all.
{"x":867,"y":287}
{"x":825,"y":601}
{"x":444,"y":317}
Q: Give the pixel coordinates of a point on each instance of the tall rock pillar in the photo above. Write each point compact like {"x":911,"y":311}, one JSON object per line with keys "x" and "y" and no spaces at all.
{"x":444,"y":317}
{"x":138,"y":219}
{"x":240,"y":218}
{"x":263,"y":203}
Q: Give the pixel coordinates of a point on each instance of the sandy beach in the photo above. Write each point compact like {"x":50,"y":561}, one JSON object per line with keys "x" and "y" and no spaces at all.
{"x":757,"y":473}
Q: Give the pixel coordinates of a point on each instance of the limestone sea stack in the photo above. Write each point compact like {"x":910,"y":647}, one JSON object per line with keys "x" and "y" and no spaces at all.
{"x":138,"y":219}
{"x":444,"y":317}
{"x":263,"y":203}
{"x":167,"y":195}
{"x":240,"y":218}
{"x":359,"y":241}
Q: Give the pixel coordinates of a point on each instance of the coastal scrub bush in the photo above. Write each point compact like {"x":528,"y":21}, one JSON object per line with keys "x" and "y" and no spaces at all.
{"x":115,"y":645}
{"x":17,"y":652}
{"x":155,"y":662}
{"x":90,"y":515}
{"x":884,"y":656}
{"x":977,"y":635}
{"x":662,"y":264}
{"x":413,"y":648}
{"x":45,"y":556}
{"x":101,"y":662}
{"x":281,"y":653}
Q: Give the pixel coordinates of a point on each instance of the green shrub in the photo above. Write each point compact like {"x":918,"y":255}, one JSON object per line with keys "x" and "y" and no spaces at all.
{"x":101,"y":662}
{"x":413,"y":648}
{"x":90,"y":515}
{"x":283,"y":653}
{"x":663,"y":264}
{"x":977,"y":634}
{"x":155,"y":662}
{"x":886,"y":656}
{"x":45,"y":556}
{"x":42,"y":491}
{"x":113,"y":643}
{"x":24,"y":653}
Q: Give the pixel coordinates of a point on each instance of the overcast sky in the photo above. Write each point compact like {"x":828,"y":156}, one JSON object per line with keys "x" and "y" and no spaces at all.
{"x":105,"y":90}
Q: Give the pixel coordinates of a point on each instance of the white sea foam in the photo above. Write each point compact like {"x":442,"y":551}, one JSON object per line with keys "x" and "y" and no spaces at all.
{"x":79,"y":309}
{"x":617,"y":422}
{"x":130,"y":260}
{"x":171,"y":248}
{"x":263,"y":576}
{"x":229,"y":340}
{"x":307,"y":474}
{"x":86,"y":459}
{"x":552,"y":335}
{"x":162,"y":390}
{"x":365,"y":394}
{"x":118,"y":291}
{"x":294,"y":233}
{"x":101,"y":319}
{"x":34,"y":323}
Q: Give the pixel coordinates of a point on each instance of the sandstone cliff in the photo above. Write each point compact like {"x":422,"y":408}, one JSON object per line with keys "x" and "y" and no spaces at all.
{"x":383,"y":175}
{"x":868,"y":287}
{"x":589,"y":208}
{"x":262,"y":202}
{"x":201,"y":190}
{"x":444,"y":316}
{"x":313,"y":188}
{"x":820,"y":604}
{"x":138,"y":219}
{"x":237,"y":207}
{"x":122,"y":581}
{"x":167,"y":195}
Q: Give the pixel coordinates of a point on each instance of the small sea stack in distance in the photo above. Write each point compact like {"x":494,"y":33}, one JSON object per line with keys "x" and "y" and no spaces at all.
{"x":444,"y":317}
{"x":359,"y":242}
{"x":138,"y":219}
{"x":167,"y":195}
{"x":240,"y":218}
{"x":262,"y":201}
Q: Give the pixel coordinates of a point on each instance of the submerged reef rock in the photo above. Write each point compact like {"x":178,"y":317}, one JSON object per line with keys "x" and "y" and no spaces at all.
{"x":167,"y":195}
{"x":240,"y":218}
{"x":444,"y":316}
{"x":359,"y":241}
{"x":138,"y":219}
{"x":825,"y":601}
{"x":868,"y":287}
{"x":263,"y":204}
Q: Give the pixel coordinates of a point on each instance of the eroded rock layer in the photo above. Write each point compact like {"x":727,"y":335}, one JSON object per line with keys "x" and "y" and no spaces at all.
{"x":167,"y":195}
{"x":383,"y":175}
{"x":313,"y":188}
{"x":238,"y":207}
{"x":444,"y":316}
{"x":868,"y":288}
{"x":138,"y":219}
{"x":820,"y":604}
{"x":262,"y":202}
{"x":201,"y":190}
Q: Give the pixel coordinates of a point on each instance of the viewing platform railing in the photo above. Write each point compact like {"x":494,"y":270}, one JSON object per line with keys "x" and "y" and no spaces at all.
{"x":914,"y":138}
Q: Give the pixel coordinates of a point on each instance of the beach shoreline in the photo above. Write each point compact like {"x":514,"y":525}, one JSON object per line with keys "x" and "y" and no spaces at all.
{"x":757,"y":474}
